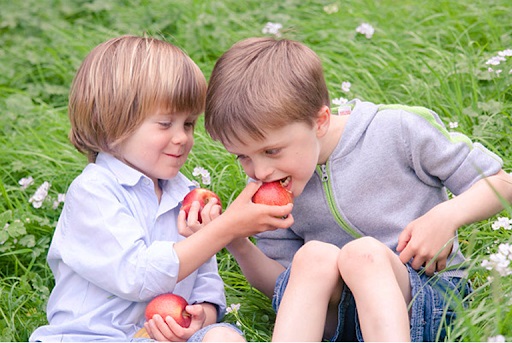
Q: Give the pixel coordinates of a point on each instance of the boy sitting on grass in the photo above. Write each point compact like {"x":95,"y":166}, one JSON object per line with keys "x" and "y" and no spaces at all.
{"x":373,"y":251}
{"x":121,"y":239}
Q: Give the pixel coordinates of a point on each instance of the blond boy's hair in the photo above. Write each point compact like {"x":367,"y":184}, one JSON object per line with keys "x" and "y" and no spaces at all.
{"x":121,"y":82}
{"x":261,"y":84}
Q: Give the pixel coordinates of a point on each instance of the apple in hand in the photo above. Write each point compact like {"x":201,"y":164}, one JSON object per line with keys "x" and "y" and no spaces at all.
{"x":169,"y":304}
{"x":203,"y":196}
{"x":272,"y":193}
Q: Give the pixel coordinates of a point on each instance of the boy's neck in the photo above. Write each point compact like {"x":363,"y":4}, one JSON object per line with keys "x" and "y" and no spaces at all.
{"x":332,"y":137}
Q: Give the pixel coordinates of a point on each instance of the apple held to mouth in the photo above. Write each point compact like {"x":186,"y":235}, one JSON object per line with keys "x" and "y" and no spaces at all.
{"x":169,"y":304}
{"x":272,"y":193}
{"x":202,"y":195}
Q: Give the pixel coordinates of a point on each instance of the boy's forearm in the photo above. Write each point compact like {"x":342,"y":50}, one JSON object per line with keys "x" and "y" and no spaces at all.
{"x":260,"y":270}
{"x":202,"y":245}
{"x":483,"y":200}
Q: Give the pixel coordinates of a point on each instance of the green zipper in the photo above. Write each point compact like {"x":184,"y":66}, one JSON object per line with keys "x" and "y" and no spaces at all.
{"x":323,"y":171}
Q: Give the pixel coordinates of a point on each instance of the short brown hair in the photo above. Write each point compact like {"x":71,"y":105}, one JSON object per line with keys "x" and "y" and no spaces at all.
{"x":261,"y":84}
{"x":121,"y":81}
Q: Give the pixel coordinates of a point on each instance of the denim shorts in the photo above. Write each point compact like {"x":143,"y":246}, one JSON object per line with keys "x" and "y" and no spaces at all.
{"x":198,"y":336}
{"x":434,"y":302}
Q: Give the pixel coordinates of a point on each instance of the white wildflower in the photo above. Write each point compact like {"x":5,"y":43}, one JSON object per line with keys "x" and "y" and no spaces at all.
{"x":505,"y":249}
{"x":500,"y":261}
{"x":339,"y":101}
{"x":505,"y":53}
{"x":495,"y":60}
{"x":345,"y":86}
{"x":39,"y":196}
{"x":366,"y":29}
{"x":498,"y":338}
{"x":453,"y":125}
{"x":25,"y":182}
{"x":330,"y":9}
{"x":502,"y":222}
{"x":233,"y":308}
{"x":272,"y":28}
{"x":60,"y":199}
{"x":205,"y":175}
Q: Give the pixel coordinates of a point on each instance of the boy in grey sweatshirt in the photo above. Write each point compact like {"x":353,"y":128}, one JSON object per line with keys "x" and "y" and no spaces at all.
{"x":374,"y":228}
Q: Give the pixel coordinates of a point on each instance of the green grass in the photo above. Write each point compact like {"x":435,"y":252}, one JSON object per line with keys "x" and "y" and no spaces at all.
{"x":426,"y":53}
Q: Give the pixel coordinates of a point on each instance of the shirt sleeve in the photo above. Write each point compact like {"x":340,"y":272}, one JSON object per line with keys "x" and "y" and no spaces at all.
{"x":438,"y":155}
{"x":101,"y":240}
{"x":209,"y":287}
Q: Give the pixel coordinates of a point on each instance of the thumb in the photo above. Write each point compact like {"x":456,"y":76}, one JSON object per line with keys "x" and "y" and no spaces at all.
{"x":194,"y":310}
{"x":403,"y":239}
{"x":251,"y":188}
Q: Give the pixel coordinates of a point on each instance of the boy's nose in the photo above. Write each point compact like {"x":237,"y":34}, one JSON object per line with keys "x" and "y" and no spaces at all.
{"x":263,"y":171}
{"x":179,"y":136}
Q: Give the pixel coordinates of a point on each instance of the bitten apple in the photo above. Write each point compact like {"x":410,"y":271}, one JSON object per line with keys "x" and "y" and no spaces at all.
{"x":169,"y":304}
{"x":273,"y":193}
{"x":202,"y":195}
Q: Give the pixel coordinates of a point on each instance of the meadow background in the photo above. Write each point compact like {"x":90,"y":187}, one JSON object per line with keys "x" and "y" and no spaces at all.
{"x":449,"y":55}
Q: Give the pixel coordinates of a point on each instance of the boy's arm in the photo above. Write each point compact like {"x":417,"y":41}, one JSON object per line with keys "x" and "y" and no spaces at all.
{"x":242,"y":218}
{"x":260,"y":270}
{"x":427,"y":240}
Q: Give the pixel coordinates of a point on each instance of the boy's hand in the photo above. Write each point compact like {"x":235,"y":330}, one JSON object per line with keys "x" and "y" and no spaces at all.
{"x":251,"y":218}
{"x":428,"y":241}
{"x":187,"y":226}
{"x":257,"y":217}
{"x":170,"y":331}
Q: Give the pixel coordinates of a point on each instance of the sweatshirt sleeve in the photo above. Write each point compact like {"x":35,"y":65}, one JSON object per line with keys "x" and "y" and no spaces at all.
{"x":438,"y":154}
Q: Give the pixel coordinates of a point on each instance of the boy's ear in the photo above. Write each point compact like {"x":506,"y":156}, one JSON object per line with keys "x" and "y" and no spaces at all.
{"x":322,"y":121}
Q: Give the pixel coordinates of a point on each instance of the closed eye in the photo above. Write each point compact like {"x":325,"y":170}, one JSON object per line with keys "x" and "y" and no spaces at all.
{"x":272,"y":152}
{"x":165,"y":124}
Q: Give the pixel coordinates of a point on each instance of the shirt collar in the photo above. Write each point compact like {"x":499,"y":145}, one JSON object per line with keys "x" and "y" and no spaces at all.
{"x":129,"y":176}
{"x":125,"y":174}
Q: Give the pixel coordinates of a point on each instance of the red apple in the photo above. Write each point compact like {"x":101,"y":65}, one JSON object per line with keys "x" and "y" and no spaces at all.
{"x":272,"y":193}
{"x":199,"y":194}
{"x":169,"y":304}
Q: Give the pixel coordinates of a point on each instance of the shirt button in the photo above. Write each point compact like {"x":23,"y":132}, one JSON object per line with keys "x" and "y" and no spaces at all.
{"x":145,"y":182}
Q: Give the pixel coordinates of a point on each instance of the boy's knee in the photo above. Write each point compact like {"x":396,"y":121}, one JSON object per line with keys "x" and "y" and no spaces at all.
{"x":223,"y":334}
{"x":315,"y":254}
{"x":362,"y":252}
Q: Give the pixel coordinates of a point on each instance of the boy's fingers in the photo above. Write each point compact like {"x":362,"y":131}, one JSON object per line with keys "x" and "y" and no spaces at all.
{"x":251,"y":188}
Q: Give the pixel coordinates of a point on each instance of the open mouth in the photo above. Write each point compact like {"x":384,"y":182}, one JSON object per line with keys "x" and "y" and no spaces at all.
{"x":286,"y":181}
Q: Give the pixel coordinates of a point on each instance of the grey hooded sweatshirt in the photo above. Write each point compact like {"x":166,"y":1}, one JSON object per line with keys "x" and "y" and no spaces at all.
{"x":392,"y":164}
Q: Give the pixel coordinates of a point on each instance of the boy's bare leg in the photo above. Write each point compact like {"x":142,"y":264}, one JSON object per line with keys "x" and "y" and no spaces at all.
{"x":379,"y":282}
{"x":223,"y":334}
{"x":314,"y":284}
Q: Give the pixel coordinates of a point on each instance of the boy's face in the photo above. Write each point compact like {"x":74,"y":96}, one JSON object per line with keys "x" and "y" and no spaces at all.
{"x":160,"y":145}
{"x":290,"y":153}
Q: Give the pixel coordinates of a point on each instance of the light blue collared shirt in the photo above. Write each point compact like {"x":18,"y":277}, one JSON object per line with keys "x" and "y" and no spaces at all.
{"x":112,"y":252}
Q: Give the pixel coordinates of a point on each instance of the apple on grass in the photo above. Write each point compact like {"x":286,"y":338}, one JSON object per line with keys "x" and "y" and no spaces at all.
{"x":169,"y":304}
{"x":203,"y":196}
{"x":273,"y":193}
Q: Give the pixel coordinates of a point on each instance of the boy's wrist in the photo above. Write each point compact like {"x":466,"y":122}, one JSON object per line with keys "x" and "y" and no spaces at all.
{"x":238,"y":244}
